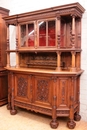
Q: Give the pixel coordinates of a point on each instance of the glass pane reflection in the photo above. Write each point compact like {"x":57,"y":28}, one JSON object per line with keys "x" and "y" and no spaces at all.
{"x":42,"y":33}
{"x":23,"y":35}
{"x":51,"y":33}
{"x":31,"y":34}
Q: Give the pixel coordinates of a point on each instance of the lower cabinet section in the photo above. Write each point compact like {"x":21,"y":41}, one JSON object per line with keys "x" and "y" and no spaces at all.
{"x":3,"y":87}
{"x":56,"y":95}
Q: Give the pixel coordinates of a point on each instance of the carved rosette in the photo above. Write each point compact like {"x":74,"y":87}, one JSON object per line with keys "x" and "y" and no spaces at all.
{"x":42,"y":90}
{"x":22,"y":87}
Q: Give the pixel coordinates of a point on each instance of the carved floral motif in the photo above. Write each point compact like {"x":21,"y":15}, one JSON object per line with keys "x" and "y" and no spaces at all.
{"x":63,"y":92}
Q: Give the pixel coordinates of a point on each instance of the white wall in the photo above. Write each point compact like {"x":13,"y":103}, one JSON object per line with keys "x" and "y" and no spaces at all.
{"x":21,"y":6}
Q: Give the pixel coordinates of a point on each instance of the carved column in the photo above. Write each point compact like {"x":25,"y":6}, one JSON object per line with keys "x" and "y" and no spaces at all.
{"x":13,"y":111}
{"x":9,"y":91}
{"x":73,"y":61}
{"x":54,"y":124}
{"x":73,"y":31}
{"x":79,"y":33}
{"x":58,"y":61}
{"x":77,"y":117}
{"x":8,"y":48}
{"x":58,"y":28}
{"x":71,"y":124}
{"x":17,"y":54}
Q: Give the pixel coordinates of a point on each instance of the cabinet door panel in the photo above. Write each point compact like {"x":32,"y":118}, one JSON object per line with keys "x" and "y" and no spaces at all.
{"x":22,"y":85}
{"x":63,"y":92}
{"x":42,"y":93}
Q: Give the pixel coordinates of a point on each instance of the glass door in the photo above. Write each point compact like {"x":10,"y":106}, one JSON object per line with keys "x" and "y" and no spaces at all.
{"x":47,"y":33}
{"x":27,"y":35}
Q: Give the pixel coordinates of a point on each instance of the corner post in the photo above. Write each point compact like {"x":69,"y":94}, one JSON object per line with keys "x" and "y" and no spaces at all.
{"x":73,"y":30}
{"x":17,"y":54}
{"x":58,"y":61}
{"x":8,"y":47}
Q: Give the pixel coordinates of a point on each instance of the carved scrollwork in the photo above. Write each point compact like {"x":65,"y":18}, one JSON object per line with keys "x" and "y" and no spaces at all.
{"x":63,"y":92}
{"x":34,"y":108}
{"x":54,"y":78}
{"x":62,"y":112}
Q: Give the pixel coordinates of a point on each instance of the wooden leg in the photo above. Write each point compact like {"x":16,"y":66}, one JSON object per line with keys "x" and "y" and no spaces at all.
{"x":71,"y":124}
{"x":13,"y":111}
{"x":54,"y":124}
{"x":77,"y":117}
{"x":9,"y":95}
{"x":9,"y":106}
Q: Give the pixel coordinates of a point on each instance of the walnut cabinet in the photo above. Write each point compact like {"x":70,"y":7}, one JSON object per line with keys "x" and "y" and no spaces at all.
{"x":46,"y":77}
{"x":3,"y":60}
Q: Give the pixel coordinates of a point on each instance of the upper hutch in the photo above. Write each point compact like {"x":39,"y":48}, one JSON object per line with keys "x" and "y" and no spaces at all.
{"x":46,"y":77}
{"x":3,"y":60}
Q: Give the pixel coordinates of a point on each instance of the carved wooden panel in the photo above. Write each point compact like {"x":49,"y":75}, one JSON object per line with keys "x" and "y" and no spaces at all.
{"x":38,"y":60}
{"x":43,"y":91}
{"x":63,"y":92}
{"x":22,"y":89}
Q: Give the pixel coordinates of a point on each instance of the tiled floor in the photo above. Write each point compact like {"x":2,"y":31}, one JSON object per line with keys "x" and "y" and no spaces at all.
{"x":27,"y":120}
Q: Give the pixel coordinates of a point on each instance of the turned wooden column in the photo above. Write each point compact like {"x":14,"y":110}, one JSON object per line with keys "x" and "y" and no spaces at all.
{"x":8,"y":48}
{"x":54,"y":124}
{"x":58,"y":29}
{"x":17,"y":54}
{"x":77,"y":117}
{"x":73,"y":31}
{"x":58,"y":61}
{"x":79,"y":32}
{"x":13,"y":111}
{"x":73,"y":61}
{"x":71,"y":124}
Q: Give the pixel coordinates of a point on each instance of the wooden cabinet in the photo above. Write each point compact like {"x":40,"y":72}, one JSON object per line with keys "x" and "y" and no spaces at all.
{"x":46,"y":77}
{"x":3,"y":60}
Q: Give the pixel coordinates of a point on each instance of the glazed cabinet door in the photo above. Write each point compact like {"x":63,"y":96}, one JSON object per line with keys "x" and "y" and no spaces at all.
{"x":27,"y":34}
{"x":35,"y":34}
{"x":47,"y":33}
